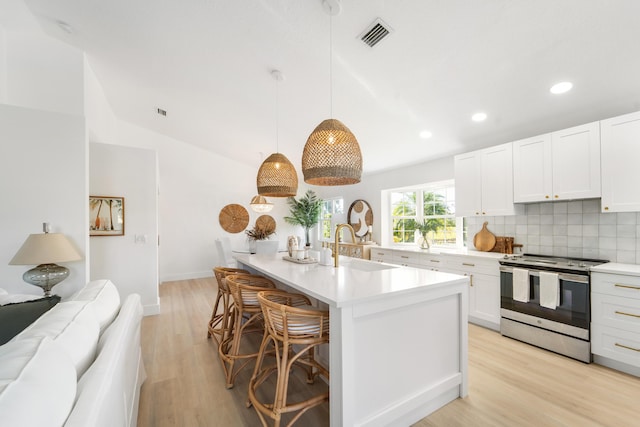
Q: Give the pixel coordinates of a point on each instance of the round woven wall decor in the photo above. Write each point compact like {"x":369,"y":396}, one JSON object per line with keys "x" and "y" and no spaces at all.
{"x":360,"y":217}
{"x":233,"y":218}
{"x":266,"y":222}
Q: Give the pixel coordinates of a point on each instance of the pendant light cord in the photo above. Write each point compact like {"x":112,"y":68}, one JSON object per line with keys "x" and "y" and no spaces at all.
{"x":331,"y":65}
{"x":277,"y":116}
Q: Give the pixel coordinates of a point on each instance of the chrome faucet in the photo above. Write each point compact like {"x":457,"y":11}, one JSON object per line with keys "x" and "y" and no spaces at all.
{"x":337,"y":244}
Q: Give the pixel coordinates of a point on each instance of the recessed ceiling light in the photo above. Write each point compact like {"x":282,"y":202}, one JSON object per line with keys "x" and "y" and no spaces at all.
{"x":425,"y":134}
{"x":561,"y":87}
{"x":479,"y":117}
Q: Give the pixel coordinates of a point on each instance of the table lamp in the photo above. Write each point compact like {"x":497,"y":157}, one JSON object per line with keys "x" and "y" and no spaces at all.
{"x":44,"y":250}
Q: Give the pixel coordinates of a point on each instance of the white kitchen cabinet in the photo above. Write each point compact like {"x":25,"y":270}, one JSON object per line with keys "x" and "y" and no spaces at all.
{"x":484,"y":182}
{"x":484,"y":288}
{"x":562,"y":165}
{"x":381,"y":255}
{"x":532,"y":176}
{"x":615,"y":318}
{"x":620,"y":150}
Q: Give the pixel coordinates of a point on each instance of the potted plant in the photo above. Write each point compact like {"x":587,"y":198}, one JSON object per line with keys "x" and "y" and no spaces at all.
{"x":305,"y":212}
{"x":260,"y":231}
{"x":424,"y":228}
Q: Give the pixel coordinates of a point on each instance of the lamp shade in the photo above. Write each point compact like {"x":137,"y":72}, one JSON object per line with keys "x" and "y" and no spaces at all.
{"x":277,"y":177}
{"x":331,"y":155}
{"x":46,"y":248}
{"x":260,"y":204}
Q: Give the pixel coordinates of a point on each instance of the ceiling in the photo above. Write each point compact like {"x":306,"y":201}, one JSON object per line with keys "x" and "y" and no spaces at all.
{"x":208,"y":64}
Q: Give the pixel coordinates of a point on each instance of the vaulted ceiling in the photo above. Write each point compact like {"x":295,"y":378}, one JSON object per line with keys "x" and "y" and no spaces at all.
{"x":208,"y":64}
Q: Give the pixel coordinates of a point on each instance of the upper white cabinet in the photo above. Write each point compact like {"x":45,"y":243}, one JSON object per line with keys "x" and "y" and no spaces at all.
{"x":562,"y":165}
{"x":484,"y":182}
{"x":620,"y":142}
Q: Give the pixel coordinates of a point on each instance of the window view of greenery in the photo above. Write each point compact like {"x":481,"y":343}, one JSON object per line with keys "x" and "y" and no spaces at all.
{"x":329,"y":209}
{"x":436,"y":209}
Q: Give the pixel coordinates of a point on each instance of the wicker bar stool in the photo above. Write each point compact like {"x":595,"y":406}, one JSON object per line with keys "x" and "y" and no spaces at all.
{"x":289,"y":320}
{"x":219,"y":326}
{"x":246,"y":318}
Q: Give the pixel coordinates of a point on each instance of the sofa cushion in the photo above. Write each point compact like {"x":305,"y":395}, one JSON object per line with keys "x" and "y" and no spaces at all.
{"x":17,"y":316}
{"x":104,"y":298}
{"x":73,"y":326}
{"x":37,"y":383}
{"x":107,"y":392}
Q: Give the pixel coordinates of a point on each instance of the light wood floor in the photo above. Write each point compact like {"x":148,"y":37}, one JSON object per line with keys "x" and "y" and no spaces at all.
{"x":510,"y":383}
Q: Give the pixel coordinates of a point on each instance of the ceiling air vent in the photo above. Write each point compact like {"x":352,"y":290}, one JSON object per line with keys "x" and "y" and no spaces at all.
{"x":377,"y":31}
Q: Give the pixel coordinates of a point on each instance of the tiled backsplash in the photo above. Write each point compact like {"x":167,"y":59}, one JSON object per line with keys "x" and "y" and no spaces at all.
{"x":575,"y":229}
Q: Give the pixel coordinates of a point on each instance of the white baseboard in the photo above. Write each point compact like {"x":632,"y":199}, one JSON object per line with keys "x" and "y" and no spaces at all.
{"x":186,"y":276}
{"x":151,"y":309}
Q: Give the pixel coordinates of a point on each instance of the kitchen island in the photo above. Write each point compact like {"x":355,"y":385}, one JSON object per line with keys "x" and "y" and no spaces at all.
{"x":398,"y":348}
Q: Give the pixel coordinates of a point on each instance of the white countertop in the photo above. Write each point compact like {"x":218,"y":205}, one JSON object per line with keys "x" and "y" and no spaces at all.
{"x":617,"y":268}
{"x":444,"y":251}
{"x":350,"y":283}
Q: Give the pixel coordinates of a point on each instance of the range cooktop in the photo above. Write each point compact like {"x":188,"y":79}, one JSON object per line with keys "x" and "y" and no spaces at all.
{"x":548,"y":262}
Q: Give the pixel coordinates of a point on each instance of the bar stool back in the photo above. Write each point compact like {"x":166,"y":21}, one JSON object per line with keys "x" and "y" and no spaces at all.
{"x":219,"y":326}
{"x":289,"y":320}
{"x":246,"y":318}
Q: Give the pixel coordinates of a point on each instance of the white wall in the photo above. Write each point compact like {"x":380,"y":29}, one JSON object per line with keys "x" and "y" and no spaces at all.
{"x":43,"y":73}
{"x":43,"y":178}
{"x":129,"y":261}
{"x":195,"y":185}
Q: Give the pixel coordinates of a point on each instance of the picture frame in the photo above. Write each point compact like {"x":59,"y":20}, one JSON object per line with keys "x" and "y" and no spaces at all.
{"x":106,"y":216}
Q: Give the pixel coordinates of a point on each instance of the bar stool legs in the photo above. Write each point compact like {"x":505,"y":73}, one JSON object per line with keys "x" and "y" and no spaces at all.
{"x":289,"y":320}
{"x":246,"y":318}
{"x":219,"y":326}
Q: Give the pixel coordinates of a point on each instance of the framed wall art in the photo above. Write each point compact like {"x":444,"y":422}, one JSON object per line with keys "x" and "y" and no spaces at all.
{"x":106,"y":216}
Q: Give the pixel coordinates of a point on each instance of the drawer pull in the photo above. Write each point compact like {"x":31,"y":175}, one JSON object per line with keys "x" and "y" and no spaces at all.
{"x":404,"y":257}
{"x":628,"y":348}
{"x":618,"y":285}
{"x":468,"y":264}
{"x":628,"y":314}
{"x":434,"y":260}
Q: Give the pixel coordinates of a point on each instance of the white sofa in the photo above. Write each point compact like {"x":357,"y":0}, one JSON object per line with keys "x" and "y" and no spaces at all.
{"x":78,"y":365}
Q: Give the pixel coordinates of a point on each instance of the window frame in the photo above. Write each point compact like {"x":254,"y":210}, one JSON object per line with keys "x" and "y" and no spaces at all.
{"x":420,"y":190}
{"x":324,"y":220}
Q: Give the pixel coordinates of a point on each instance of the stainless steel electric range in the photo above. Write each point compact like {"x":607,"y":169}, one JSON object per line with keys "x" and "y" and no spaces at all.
{"x":563,"y":329}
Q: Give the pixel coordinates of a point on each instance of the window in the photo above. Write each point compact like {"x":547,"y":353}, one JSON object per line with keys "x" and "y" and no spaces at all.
{"x":433,"y":204}
{"x":330,"y":208}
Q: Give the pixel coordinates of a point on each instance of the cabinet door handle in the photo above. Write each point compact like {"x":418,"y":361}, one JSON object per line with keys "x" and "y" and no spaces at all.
{"x":627,"y":347}
{"x":627,"y":314}
{"x":557,"y":197}
{"x":468,"y":264}
{"x":546,"y":197}
{"x":618,"y":285}
{"x":606,"y":208}
{"x":470,"y":278}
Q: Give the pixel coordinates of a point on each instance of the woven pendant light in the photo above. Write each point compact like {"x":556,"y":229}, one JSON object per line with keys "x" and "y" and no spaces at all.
{"x":332,"y":154}
{"x":277,"y":177}
{"x":260,"y":204}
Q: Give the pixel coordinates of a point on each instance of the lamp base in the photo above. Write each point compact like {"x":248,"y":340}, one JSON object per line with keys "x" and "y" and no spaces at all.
{"x":46,"y":276}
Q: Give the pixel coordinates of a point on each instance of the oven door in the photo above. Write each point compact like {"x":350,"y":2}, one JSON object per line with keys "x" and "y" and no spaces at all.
{"x":574,"y":308}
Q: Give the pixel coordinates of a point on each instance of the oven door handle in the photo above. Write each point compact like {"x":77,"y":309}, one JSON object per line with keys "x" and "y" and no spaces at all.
{"x":561,"y":276}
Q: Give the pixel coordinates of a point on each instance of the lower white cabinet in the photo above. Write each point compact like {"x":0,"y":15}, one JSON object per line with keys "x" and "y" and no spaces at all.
{"x":615,"y":318}
{"x":483,"y":273}
{"x":484,"y":288}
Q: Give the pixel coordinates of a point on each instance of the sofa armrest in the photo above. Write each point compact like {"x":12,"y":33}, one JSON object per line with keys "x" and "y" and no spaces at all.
{"x":108,"y":392}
